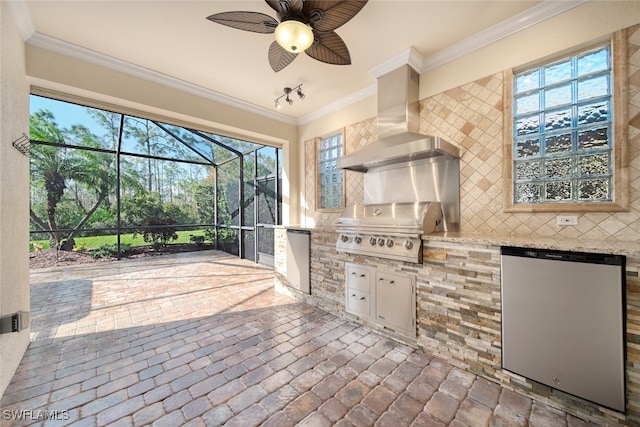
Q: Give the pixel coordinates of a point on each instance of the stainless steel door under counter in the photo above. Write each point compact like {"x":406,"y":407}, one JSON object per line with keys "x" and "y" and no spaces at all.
{"x":298,"y":264}
{"x":563,"y":321}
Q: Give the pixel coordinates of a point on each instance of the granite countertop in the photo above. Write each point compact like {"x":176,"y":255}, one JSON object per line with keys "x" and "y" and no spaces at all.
{"x":609,"y":246}
{"x":319,"y":229}
{"x":295,"y":227}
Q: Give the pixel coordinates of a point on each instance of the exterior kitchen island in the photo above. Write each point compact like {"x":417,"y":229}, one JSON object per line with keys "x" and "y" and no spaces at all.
{"x":458,"y":305}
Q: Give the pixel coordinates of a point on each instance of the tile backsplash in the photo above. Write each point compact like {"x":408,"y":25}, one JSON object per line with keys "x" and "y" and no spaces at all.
{"x":471,"y":117}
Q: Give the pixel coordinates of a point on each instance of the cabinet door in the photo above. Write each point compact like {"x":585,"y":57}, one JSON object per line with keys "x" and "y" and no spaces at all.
{"x":359,"y":277}
{"x":358,"y":303}
{"x":395,"y":301}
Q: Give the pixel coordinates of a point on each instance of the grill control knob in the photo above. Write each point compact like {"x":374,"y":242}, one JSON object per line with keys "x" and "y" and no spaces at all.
{"x":344,"y":238}
{"x":381,"y":242}
{"x":408,"y":244}
{"x":390,"y":243}
{"x":357,"y":239}
{"x":372,"y":241}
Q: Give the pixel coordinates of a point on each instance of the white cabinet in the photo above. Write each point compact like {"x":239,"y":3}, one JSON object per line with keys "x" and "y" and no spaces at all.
{"x":385,"y":298}
{"x":358,"y":290}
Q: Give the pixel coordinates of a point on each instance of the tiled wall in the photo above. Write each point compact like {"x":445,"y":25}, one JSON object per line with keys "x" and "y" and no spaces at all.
{"x":471,"y":116}
{"x":355,"y":137}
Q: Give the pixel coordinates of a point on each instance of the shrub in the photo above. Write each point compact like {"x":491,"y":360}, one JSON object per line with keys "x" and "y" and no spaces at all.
{"x":36,"y":246}
{"x":198,"y":240}
{"x":110,"y":251}
{"x":159,"y":237}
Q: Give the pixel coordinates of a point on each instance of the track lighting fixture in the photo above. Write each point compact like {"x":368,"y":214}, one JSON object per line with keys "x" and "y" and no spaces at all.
{"x":287,"y":91}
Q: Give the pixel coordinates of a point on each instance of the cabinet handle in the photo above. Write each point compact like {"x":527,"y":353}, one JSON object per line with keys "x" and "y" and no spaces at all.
{"x":391,"y":282}
{"x":363,"y":275}
{"x":362,"y":298}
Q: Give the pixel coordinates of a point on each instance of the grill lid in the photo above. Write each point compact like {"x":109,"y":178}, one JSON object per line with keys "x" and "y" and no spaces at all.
{"x":398,"y":218}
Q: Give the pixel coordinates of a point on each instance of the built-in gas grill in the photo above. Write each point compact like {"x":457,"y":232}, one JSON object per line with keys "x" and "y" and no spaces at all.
{"x":391,"y":230}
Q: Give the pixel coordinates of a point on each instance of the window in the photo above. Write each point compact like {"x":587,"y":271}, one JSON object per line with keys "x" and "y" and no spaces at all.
{"x":562,"y":134}
{"x":330,"y":179}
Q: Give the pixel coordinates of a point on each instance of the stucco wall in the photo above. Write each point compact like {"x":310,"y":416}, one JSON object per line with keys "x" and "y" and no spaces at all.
{"x":14,"y":186}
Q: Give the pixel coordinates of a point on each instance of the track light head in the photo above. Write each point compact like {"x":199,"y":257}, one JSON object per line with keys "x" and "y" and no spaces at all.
{"x":287,"y":91}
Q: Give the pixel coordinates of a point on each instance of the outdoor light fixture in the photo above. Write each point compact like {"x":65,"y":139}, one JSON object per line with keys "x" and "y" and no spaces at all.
{"x":294,"y":36}
{"x":287,"y":92}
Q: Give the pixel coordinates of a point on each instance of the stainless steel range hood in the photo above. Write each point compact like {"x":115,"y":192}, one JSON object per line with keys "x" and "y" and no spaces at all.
{"x":398,"y":117}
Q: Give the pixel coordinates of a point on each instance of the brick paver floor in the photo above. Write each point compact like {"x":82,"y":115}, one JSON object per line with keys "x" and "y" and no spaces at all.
{"x":202,"y":339}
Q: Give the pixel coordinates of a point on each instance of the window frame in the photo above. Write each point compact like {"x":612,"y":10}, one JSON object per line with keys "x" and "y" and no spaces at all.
{"x":317,"y":179}
{"x":619,"y":129}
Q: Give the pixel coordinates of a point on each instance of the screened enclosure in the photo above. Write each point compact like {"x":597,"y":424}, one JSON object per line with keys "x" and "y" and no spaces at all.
{"x":112,"y":184}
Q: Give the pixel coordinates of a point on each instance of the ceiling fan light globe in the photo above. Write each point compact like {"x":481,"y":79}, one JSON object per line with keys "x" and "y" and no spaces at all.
{"x":294,"y":36}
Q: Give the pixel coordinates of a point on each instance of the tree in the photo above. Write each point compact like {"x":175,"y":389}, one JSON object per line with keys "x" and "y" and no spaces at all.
{"x":148,"y":137}
{"x":154,"y":220}
{"x":52,"y":166}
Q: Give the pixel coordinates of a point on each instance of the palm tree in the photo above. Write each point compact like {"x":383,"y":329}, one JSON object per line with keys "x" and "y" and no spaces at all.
{"x":97,"y":172}
{"x":50,"y":165}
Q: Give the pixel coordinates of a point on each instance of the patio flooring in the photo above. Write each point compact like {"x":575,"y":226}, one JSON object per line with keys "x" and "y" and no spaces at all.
{"x":202,"y":339}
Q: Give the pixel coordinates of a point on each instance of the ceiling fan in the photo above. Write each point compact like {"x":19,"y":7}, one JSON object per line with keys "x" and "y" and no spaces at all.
{"x":304,"y":26}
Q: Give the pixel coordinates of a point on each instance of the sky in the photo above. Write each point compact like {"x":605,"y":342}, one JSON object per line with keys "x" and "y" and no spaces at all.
{"x":67,"y":114}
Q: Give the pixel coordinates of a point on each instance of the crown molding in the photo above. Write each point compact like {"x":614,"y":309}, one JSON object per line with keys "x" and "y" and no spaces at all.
{"x":339,"y":104}
{"x":74,"y":51}
{"x":539,"y":13}
{"x":408,"y":56}
{"x":22,"y":18}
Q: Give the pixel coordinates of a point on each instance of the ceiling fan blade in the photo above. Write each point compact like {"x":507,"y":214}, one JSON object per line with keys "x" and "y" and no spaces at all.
{"x":330,"y":49}
{"x":286,"y":7}
{"x":329,"y":15}
{"x":279,"y":58}
{"x":248,"y":21}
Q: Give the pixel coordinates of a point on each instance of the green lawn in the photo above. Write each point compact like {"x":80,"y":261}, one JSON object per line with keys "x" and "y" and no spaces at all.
{"x":95,"y":242}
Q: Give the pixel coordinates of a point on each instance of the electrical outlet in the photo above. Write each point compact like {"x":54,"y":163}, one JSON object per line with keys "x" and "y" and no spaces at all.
{"x":567,"y":220}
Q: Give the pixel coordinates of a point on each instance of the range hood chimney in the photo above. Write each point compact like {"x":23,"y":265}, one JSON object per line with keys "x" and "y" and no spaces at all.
{"x":398,"y":127}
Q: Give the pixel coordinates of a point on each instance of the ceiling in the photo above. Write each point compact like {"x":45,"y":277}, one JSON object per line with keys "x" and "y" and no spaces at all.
{"x":172,"y":40}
